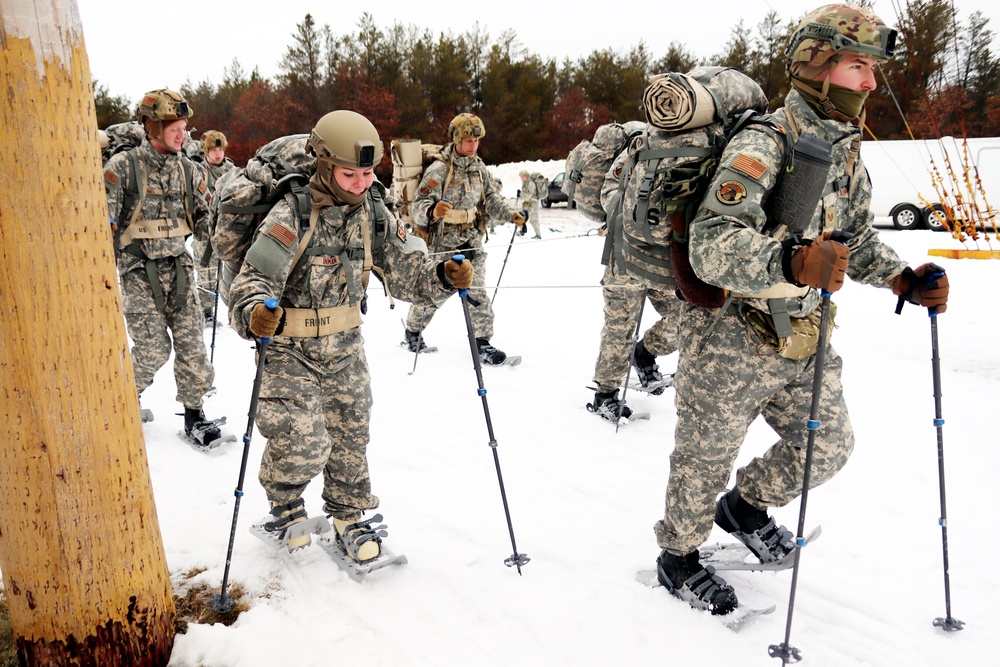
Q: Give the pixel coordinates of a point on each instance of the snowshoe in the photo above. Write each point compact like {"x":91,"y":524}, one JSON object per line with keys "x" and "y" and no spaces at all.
{"x":287,"y":527}
{"x":753,"y":527}
{"x":650,"y":378}
{"x":204,"y":432}
{"x":686,"y":578}
{"x":607,"y":406}
{"x":357,"y":548}
{"x":491,"y":356}
{"x":415,"y":343}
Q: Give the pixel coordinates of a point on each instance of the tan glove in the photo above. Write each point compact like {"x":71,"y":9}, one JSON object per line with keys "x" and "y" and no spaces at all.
{"x":519,"y":218}
{"x":917,"y":286}
{"x":422,"y":233}
{"x":821,"y":264}
{"x":441,"y":209}
{"x":459,"y":274}
{"x":264,"y":321}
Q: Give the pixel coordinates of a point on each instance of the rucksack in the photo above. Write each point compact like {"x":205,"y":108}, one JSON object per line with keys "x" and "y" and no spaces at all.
{"x":541,"y":184}
{"x":588,"y":163}
{"x":243,"y":198}
{"x":409,"y":159}
{"x":668,"y":169}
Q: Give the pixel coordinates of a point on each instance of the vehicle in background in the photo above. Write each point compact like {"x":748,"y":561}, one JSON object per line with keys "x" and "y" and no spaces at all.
{"x":903,"y":185}
{"x":555,"y":194}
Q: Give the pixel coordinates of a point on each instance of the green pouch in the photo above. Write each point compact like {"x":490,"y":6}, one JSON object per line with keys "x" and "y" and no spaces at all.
{"x":804,"y":340}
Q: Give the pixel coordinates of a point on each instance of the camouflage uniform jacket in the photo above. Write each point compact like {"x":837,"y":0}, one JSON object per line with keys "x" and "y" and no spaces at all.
{"x":731,"y":242}
{"x":214,"y":171}
{"x":529,"y":192}
{"x":163,"y":173}
{"x":470,"y":184}
{"x":330,"y":273}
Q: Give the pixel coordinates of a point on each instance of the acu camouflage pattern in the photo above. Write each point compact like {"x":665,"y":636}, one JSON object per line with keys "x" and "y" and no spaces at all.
{"x":726,"y":377}
{"x":147,"y":323}
{"x":206,"y":266}
{"x":530,"y":196}
{"x":315,"y":399}
{"x":623,"y":297}
{"x":470,"y":185}
{"x":588,"y":164}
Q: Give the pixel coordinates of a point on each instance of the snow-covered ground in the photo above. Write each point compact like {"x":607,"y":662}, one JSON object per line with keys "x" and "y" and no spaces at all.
{"x":583,"y":499}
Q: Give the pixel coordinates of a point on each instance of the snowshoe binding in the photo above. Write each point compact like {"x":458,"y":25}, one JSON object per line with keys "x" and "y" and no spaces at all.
{"x":204,"y":432}
{"x":650,"y":378}
{"x":491,"y":356}
{"x":356,"y":546}
{"x":607,"y":406}
{"x":687,"y":579}
{"x":753,"y":527}
{"x":415,"y":343}
{"x":289,"y":526}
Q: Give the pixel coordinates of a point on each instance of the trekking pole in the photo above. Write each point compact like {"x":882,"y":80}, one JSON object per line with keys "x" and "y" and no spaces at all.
{"x":215,"y":309}
{"x":516,"y":559}
{"x":631,"y":356}
{"x":223,"y":604}
{"x":785,"y":651}
{"x":947,"y":623}
{"x":504,"y":265}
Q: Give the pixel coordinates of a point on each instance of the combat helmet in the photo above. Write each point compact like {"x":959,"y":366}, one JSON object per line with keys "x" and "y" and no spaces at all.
{"x":163,"y":106}
{"x":825,"y":32}
{"x":213,"y":139}
{"x":466,"y":126}
{"x":344,"y":138}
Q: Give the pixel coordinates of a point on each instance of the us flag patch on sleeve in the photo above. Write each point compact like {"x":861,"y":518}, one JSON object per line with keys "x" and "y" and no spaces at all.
{"x":111,"y":177}
{"x":284,"y":235}
{"x":752,"y":167}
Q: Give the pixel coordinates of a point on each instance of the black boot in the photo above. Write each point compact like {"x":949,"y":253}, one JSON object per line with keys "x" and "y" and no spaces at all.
{"x":415,"y":341}
{"x":488,"y":354}
{"x":753,"y":527}
{"x":699,"y":586}
{"x":607,"y":405}
{"x":647,"y":370}
{"x":199,"y":428}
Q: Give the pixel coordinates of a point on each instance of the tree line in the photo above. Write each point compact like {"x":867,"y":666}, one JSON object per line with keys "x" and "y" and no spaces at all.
{"x":944,"y":80}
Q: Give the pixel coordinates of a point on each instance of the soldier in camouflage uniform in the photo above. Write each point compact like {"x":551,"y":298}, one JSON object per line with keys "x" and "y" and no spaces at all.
{"x":315,"y":399}
{"x":623,"y":296}
{"x":730,"y":368}
{"x":156,"y":199}
{"x":530,"y":196}
{"x":215,"y":164}
{"x":445,"y":212}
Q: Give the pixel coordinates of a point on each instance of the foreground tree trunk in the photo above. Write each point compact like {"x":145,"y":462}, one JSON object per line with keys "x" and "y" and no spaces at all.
{"x":84,"y":569}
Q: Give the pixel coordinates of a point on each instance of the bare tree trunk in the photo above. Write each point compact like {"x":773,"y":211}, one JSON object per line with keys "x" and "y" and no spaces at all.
{"x":83,"y":564}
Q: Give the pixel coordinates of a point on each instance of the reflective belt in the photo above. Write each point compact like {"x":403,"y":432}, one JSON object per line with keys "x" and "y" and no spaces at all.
{"x":460,"y":216}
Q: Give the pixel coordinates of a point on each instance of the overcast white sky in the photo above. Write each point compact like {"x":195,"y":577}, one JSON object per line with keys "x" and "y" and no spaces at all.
{"x":132,"y":51}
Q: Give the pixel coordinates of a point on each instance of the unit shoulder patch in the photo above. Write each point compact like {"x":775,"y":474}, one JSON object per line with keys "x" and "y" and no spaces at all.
{"x":400,"y":231}
{"x":750,"y":166}
{"x":731,"y":192}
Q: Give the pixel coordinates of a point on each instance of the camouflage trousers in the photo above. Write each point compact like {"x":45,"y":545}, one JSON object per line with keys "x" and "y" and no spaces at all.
{"x":152,"y":328}
{"x":534,"y":215}
{"x":314,"y":410}
{"x":724,"y":381}
{"x":206,"y":276}
{"x":420,"y":314}
{"x":622,"y":299}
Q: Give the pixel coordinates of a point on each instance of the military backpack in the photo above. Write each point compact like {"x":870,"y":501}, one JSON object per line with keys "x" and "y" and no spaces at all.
{"x":589,"y":162}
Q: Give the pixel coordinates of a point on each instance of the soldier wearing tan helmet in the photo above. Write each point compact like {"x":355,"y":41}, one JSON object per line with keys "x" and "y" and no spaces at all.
{"x":445,"y":212}
{"x":212,"y":146}
{"x":156,"y":199}
{"x":316,"y":399}
{"x":757,"y":356}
